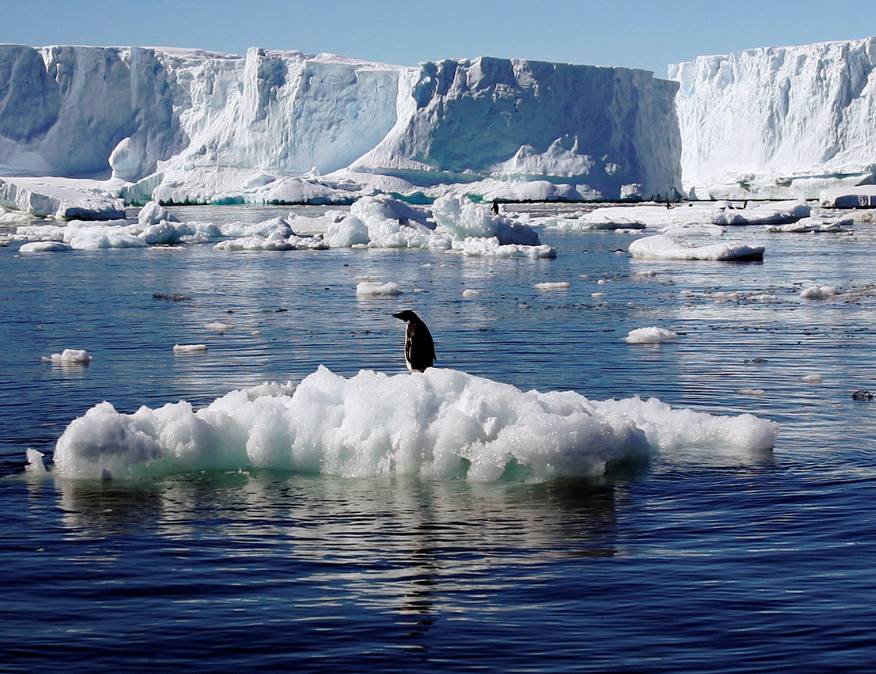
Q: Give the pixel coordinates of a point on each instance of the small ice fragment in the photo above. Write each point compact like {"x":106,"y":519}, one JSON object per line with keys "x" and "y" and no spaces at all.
{"x":813,"y":378}
{"x":601,"y":282}
{"x":35,"y":465}
{"x":751,"y":391}
{"x":597,"y":295}
{"x":547,"y":285}
{"x":652,"y":335}
{"x":218,"y":326}
{"x":189,"y":348}
{"x":44,"y":247}
{"x":374,"y":288}
{"x":469,"y":293}
{"x":68,"y":356}
{"x":816,"y":292}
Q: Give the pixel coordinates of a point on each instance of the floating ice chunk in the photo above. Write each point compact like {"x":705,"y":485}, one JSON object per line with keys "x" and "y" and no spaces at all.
{"x":652,"y":335}
{"x":490,"y":247}
{"x":441,"y":423}
{"x":813,"y":378}
{"x":382,"y":207}
{"x":469,"y":293}
{"x":745,"y":391}
{"x":189,"y":348}
{"x":69,"y":357}
{"x":346,"y":233}
{"x":153,"y":213}
{"x":774,"y":213}
{"x":816,"y":292}
{"x":463,"y":219}
{"x":373,"y":289}
{"x":218,"y":326}
{"x":813,"y":225}
{"x":44,"y":247}
{"x":255,"y":243}
{"x":663,"y":247}
{"x":35,"y":464}
{"x":552,"y":285}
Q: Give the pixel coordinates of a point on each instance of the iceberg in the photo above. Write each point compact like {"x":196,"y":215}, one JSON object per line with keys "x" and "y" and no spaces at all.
{"x":441,"y":423}
{"x":193,"y":126}
{"x":59,"y":198}
{"x":778,"y":122}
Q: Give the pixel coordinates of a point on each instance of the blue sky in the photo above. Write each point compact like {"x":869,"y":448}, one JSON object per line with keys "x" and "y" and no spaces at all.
{"x":629,"y":33}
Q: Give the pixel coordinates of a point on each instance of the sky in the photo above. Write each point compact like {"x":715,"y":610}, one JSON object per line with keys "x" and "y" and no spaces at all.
{"x":631,"y":33}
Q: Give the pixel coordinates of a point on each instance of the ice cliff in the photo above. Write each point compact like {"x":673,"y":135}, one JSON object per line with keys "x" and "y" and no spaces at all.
{"x":778,"y":122}
{"x":190,"y":125}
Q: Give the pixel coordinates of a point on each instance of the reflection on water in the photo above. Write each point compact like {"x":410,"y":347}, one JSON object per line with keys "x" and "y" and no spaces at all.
{"x":699,"y":561}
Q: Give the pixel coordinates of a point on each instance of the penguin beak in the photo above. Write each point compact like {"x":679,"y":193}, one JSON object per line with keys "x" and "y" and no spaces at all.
{"x":398,"y":316}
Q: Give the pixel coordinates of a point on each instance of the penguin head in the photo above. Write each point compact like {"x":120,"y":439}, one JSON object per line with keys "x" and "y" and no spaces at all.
{"x":407,"y":315}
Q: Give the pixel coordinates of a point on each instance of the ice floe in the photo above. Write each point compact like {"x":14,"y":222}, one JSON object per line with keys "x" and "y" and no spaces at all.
{"x":69,"y":357}
{"x":552,"y":285}
{"x":652,"y":335}
{"x":850,"y":197}
{"x":665,"y":247}
{"x":772,"y":213}
{"x":813,"y":224}
{"x":817,"y":292}
{"x":441,"y":423}
{"x":189,"y":348}
{"x":44,"y":247}
{"x":377,"y":289}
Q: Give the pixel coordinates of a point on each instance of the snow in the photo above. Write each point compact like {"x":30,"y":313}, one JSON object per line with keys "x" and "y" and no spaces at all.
{"x":773,"y":213}
{"x":287,"y":127}
{"x":442,"y":423}
{"x":69,"y":356}
{"x":375,"y":289}
{"x":778,"y":122}
{"x":664,"y":247}
{"x":652,"y":335}
{"x":816,"y":292}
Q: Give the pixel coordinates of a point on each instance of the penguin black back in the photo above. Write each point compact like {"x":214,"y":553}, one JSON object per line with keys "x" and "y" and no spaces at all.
{"x":419,"y":347}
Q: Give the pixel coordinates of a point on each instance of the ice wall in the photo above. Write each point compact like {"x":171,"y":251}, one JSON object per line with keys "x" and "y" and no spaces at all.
{"x":596,"y":128}
{"x":168,"y":113}
{"x":777,"y":122}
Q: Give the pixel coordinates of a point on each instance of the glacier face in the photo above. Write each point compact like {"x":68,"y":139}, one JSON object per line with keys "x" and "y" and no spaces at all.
{"x":194,"y":119}
{"x":778,"y":122}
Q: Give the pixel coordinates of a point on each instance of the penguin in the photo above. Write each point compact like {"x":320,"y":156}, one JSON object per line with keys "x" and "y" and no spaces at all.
{"x":419,"y":347}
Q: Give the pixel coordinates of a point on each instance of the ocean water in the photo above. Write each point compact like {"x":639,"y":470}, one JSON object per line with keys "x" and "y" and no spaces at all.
{"x":709,"y":563}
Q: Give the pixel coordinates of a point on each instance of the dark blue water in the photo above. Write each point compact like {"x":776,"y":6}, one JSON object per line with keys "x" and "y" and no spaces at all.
{"x":701,"y":563}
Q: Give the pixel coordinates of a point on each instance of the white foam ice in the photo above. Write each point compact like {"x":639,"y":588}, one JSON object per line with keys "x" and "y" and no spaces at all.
{"x":651,"y":335}
{"x":441,"y":423}
{"x":69,"y":357}
{"x":664,"y":247}
{"x":376,"y":289}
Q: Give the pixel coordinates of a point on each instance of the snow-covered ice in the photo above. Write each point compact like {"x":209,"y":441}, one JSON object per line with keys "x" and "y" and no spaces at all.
{"x":664,"y":247}
{"x":863,"y":196}
{"x":441,"y":423}
{"x":814,"y":224}
{"x":44,"y":247}
{"x":60,"y":198}
{"x":772,"y":213}
{"x":652,"y":335}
